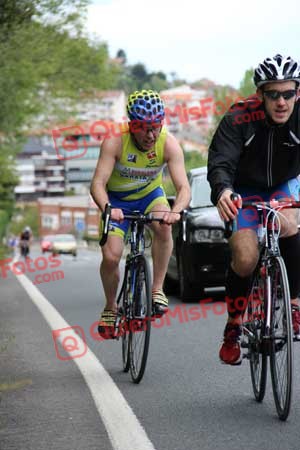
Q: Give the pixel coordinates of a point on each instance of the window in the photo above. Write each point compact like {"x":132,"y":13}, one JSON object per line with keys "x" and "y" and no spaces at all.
{"x":50,"y":221}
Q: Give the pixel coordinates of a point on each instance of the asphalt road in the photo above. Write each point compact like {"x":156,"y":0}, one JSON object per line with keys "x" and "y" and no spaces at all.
{"x":51,"y":399}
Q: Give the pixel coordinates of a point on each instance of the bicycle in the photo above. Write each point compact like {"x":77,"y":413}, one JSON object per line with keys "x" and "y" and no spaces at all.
{"x":267,"y":328}
{"x":24,"y":248}
{"x":134,"y":302}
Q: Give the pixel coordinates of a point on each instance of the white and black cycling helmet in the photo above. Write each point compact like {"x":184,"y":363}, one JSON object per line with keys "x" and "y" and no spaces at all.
{"x":277,"y":68}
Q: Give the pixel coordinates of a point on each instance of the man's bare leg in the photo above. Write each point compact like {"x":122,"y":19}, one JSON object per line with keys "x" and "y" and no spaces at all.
{"x":109,"y":269}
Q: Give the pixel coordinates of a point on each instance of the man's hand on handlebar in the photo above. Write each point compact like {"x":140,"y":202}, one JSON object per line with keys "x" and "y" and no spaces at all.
{"x":227,"y":207}
{"x":171,"y":217}
{"x":117,"y":215}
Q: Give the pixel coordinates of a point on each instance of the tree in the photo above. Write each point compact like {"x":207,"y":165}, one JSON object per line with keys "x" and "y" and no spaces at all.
{"x":39,"y":64}
{"x":44,"y":56}
{"x":221,"y":96}
{"x":139,"y":75}
{"x":223,"y":93}
{"x":247,"y":86}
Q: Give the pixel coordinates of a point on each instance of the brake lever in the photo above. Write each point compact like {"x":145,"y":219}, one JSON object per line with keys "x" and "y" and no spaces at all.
{"x":231,"y":225}
{"x":106,"y":218}
{"x":184,"y":216}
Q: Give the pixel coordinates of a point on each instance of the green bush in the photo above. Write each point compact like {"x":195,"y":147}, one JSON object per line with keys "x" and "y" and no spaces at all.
{"x":192,"y":160}
{"x":3,"y":223}
{"x":28,"y":216}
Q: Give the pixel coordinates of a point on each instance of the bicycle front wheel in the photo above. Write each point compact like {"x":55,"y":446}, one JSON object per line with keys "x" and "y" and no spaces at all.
{"x":124,"y":321}
{"x":281,"y":351}
{"x":140,"y":325}
{"x":256,"y":347}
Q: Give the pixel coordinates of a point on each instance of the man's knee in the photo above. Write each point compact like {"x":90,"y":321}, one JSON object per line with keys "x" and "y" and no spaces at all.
{"x":163,"y":232}
{"x":110,"y":261}
{"x":244,"y":253}
{"x":111,"y":255}
{"x":244,"y":265}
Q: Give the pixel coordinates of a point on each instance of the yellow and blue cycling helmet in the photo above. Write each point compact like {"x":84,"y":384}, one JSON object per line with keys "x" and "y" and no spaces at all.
{"x":145,"y":106}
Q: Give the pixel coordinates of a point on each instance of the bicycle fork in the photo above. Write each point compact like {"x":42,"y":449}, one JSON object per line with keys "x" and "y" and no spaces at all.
{"x":260,"y":318}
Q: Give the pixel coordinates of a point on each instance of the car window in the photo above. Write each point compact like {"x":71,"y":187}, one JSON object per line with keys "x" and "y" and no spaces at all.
{"x":200,"y":189}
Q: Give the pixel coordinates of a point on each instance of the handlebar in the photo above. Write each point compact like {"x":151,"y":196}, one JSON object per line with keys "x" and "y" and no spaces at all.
{"x":134,"y":216}
{"x":230,"y":226}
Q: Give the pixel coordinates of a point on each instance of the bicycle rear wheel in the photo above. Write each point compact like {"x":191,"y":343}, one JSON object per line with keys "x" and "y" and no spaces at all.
{"x":140,"y":325}
{"x":256,"y":327}
{"x":281,"y":352}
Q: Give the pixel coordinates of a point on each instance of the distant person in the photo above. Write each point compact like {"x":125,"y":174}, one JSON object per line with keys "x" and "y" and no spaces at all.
{"x":25,"y":241}
{"x":13,"y":242}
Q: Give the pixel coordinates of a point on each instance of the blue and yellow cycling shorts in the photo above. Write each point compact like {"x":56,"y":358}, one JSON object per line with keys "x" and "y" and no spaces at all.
{"x":248,"y":218}
{"x":144,"y":205}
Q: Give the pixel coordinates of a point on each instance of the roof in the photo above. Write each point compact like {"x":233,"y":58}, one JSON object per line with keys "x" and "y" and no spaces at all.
{"x":198,"y":170}
{"x":34,"y":146}
{"x":80,"y":201}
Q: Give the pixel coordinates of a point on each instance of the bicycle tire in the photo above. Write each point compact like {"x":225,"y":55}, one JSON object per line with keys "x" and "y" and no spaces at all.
{"x":139,"y":329}
{"x":256,"y":347}
{"x":124,"y":322}
{"x":281,"y":349}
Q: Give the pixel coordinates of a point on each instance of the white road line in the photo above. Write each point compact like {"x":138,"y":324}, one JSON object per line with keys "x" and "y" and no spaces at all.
{"x":124,"y":430}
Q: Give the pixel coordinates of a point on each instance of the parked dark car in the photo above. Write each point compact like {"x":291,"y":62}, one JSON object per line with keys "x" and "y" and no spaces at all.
{"x":201,"y":261}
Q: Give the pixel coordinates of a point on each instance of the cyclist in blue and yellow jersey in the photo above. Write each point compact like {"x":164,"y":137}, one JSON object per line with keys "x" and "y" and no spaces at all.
{"x":256,"y":153}
{"x":129,"y":176}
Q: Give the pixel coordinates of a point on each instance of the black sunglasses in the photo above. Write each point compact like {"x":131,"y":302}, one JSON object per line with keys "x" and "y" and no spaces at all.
{"x":275,"y":95}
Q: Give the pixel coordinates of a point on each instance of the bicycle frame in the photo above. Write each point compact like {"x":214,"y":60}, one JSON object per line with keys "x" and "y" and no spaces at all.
{"x":137,"y":247}
{"x":268,"y":241}
{"x":268,"y":235}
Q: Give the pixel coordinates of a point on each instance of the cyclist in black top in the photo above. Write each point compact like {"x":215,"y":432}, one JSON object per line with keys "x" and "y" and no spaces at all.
{"x":255,"y":152}
{"x":25,"y":241}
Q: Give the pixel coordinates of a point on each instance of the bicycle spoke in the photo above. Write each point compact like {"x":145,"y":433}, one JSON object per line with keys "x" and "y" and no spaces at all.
{"x":281,"y":357}
{"x":255,"y":326}
{"x":140,"y":325}
{"x":124,"y":329}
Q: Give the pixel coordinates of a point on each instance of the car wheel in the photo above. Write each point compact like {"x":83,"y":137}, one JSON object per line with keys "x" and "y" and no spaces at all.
{"x":187,"y":291}
{"x":170,"y":286}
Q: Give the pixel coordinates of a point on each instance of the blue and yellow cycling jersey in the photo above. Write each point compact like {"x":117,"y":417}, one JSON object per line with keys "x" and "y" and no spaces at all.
{"x":137,"y":173}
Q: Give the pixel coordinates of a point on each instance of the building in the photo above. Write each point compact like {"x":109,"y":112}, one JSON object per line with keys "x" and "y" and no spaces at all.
{"x":102,"y":105}
{"x":78,"y":215}
{"x":78,"y":150}
{"x":188,"y":113}
{"x":64,"y":157}
{"x":40,"y":172}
